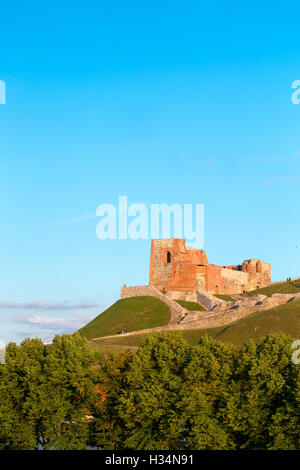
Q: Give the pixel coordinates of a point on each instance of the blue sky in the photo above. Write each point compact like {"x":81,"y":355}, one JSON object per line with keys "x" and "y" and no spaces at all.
{"x":162,"y":101}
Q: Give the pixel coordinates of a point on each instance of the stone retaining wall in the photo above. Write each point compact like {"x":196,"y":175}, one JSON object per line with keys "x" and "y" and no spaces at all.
{"x":208,"y":301}
{"x":180,"y":295}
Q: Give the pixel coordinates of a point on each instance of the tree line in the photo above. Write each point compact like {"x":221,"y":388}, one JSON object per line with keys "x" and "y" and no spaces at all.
{"x":168,"y":396}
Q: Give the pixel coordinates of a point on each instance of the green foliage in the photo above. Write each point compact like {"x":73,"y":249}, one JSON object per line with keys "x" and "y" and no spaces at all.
{"x":209,"y":396}
{"x":108,"y":430}
{"x":134,"y":313}
{"x":262,"y":404}
{"x":151,"y":404}
{"x":21,"y":384}
{"x":191,"y":306}
{"x":169,"y":395}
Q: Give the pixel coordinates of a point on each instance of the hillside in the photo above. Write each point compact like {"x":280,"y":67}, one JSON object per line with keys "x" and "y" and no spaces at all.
{"x":289,"y":287}
{"x":285,"y":318}
{"x":227,"y":298}
{"x":134,"y":313}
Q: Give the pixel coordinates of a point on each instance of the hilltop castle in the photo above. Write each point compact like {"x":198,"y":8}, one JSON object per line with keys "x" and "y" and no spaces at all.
{"x":182,"y":271}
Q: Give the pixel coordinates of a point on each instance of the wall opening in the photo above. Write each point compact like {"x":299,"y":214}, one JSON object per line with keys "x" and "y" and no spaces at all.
{"x":168,"y":257}
{"x":258,"y":267}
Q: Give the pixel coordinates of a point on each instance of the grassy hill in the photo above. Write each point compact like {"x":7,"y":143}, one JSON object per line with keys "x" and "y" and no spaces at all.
{"x":285,"y":318}
{"x":191,"y":306}
{"x":289,"y":287}
{"x":134,"y":313}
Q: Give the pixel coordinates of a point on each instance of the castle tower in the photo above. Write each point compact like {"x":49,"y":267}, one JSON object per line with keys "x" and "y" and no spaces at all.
{"x":173,"y":264}
{"x":176,"y":268}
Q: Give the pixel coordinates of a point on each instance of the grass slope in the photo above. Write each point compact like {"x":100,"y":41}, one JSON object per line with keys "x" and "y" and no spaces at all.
{"x":191,"y":306}
{"x":289,"y":287}
{"x":134,"y":313}
{"x":284,"y":318}
{"x":224,"y":297}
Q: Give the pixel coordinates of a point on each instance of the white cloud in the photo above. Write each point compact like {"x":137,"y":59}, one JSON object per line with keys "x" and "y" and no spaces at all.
{"x":72,"y":322}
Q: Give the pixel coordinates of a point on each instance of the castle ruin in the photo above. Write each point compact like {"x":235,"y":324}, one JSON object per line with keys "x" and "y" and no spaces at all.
{"x":181,"y":271}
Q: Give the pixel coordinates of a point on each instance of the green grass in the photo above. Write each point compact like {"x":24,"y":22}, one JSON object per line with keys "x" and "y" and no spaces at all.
{"x":289,"y":287}
{"x":2,"y":356}
{"x":191,"y":306}
{"x":284,"y":318}
{"x":134,"y":313}
{"x":224,"y":297}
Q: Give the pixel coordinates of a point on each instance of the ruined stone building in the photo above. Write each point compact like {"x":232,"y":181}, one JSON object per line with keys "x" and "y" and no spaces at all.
{"x":181,"y":271}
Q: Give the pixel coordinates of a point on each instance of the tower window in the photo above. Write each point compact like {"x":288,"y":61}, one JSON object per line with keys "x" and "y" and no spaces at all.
{"x":168,"y":257}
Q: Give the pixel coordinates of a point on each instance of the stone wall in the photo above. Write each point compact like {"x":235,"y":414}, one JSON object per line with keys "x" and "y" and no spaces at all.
{"x":176,"y":267}
{"x":234,"y":282}
{"x":207,"y":300}
{"x":177,"y":312}
{"x":173,"y":264}
{"x":181,"y":295}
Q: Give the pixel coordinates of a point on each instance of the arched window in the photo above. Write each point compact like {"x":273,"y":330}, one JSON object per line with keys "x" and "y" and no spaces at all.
{"x":168,"y":257}
{"x":259,"y":267}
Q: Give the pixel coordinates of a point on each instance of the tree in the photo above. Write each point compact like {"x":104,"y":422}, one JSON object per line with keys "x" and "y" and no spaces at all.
{"x":45,"y":393}
{"x":110,"y":379}
{"x":21,"y":382}
{"x":261,"y":406}
{"x":169,"y":395}
{"x":172,"y":394}
{"x":69,"y":393}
